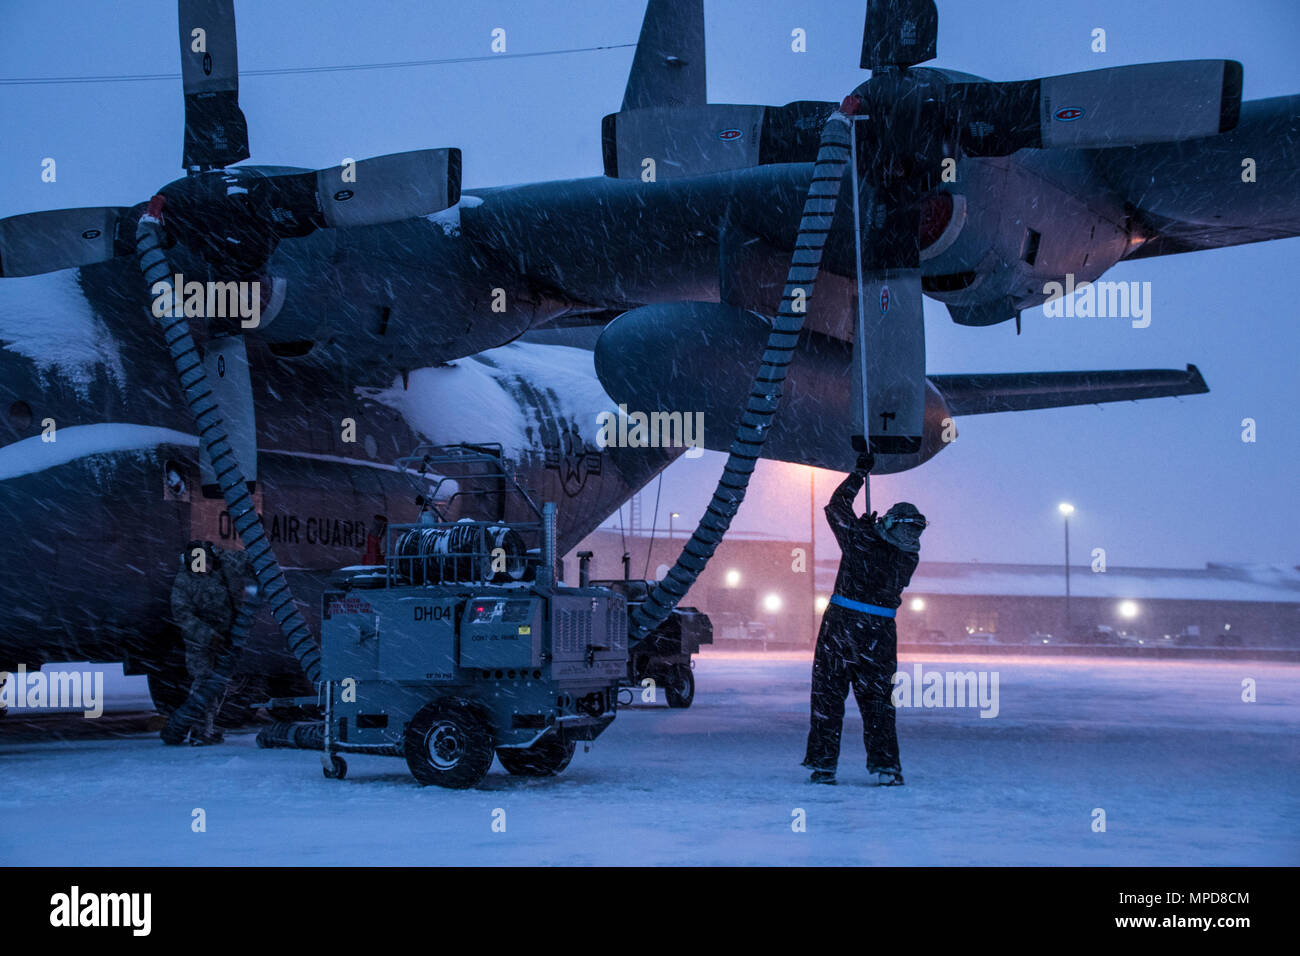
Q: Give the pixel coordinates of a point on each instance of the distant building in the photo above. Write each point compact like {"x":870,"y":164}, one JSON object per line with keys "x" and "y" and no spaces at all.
{"x":761,"y":593}
{"x":758,"y":591}
{"x":1220,"y":605}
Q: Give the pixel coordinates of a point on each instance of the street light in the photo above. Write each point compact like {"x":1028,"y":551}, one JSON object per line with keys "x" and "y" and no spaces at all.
{"x":1066,"y":510}
{"x":918,"y":604}
{"x":819,"y":602}
{"x":1128,"y":609}
{"x":671,"y":516}
{"x":772,"y":603}
{"x":733,"y":578}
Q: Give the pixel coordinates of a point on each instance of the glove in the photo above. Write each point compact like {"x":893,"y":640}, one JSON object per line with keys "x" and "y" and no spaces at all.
{"x":866,"y":461}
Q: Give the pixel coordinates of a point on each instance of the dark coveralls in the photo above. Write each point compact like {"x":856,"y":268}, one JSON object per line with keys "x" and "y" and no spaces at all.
{"x":204,"y":606}
{"x":854,"y":648}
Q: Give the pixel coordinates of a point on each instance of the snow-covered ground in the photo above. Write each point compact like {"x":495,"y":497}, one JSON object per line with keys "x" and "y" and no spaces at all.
{"x":1186,"y":772}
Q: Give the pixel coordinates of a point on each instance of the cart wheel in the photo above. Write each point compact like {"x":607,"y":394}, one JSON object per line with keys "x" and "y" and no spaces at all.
{"x":337,"y":769}
{"x":680,"y":686}
{"x":545,"y":758}
{"x":447,"y":743}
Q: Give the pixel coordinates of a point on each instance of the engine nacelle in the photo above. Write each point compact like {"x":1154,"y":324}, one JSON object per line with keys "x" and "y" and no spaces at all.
{"x":690,"y":357}
{"x":1010,"y":230}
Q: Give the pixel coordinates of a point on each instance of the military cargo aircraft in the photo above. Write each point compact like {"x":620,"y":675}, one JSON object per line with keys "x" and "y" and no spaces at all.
{"x":516,"y":315}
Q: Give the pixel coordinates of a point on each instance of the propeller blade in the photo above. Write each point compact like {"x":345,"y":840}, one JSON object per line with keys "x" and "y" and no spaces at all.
{"x":899,"y":33}
{"x":674,"y":142}
{"x":389,"y":188}
{"x":888,"y":384}
{"x":366,"y":193}
{"x":1120,"y":106}
{"x":237,"y":216}
{"x":792,"y":133}
{"x":699,"y":140}
{"x":37,"y":242}
{"x":230,"y":380}
{"x":216,"y":132}
{"x":891,"y":324}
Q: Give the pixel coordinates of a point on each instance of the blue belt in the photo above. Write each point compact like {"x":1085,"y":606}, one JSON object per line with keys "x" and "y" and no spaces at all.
{"x":864,"y":608}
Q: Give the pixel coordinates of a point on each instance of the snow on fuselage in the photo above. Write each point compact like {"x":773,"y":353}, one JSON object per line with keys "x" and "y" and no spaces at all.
{"x":99,"y":478}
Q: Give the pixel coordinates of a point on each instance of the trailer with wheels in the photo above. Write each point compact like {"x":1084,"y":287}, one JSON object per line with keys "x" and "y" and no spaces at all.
{"x":665,"y":655}
{"x":464,"y":647}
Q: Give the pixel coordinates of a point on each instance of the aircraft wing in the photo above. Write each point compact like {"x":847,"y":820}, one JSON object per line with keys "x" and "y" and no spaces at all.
{"x":981,"y":394}
{"x":1191,"y":195}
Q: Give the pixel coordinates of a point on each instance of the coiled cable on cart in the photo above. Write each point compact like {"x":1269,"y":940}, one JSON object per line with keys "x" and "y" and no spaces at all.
{"x":464,"y":552}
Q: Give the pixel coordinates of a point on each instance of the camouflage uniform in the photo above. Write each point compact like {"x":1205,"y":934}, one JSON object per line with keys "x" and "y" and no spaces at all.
{"x":203,"y":606}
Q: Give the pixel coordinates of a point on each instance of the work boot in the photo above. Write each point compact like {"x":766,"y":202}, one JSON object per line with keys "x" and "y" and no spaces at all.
{"x":199,"y":738}
{"x":889,"y":778}
{"x":822,"y":776}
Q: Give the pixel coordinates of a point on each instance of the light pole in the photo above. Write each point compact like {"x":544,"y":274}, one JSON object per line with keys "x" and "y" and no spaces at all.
{"x":671,"y":516}
{"x":812,"y":550}
{"x":1066,"y":510}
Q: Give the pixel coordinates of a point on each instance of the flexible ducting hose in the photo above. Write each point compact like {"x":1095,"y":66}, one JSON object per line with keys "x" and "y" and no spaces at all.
{"x":212,"y":435}
{"x":292,"y":735}
{"x":765,"y":393}
{"x":308,"y":735}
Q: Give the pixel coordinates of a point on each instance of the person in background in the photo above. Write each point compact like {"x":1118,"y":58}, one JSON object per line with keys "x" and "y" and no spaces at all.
{"x":205,"y":596}
{"x":375,"y":541}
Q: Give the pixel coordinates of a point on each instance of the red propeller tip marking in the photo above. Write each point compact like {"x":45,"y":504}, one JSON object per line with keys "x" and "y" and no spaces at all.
{"x":156,"y":206}
{"x":850,"y":105}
